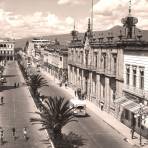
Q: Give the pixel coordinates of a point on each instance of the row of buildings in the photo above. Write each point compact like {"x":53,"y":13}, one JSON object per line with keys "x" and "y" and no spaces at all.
{"x":48,"y":55}
{"x":112,"y":71}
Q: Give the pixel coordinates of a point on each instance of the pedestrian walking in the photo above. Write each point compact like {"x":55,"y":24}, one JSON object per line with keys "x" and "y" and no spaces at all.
{"x":2,"y":135}
{"x":132,"y":132}
{"x":102,"y":106}
{"x":14,"y":132}
{"x":75,"y":92}
{"x":25,"y":133}
{"x":2,"y":100}
{"x":18,"y":85}
{"x":15,"y":85}
{"x":65,"y":84}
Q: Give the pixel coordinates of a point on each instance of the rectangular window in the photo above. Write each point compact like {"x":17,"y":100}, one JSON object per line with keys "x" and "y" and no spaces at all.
{"x":114,"y":63}
{"x":60,"y":58}
{"x":103,"y":91}
{"x":139,"y":122}
{"x":126,"y":114}
{"x":96,"y":60}
{"x":127,"y":75}
{"x":104,"y":60}
{"x":141,"y":79}
{"x":134,"y":77}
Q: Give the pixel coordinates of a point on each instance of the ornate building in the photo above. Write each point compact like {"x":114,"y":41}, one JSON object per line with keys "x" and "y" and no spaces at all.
{"x":55,"y":60}
{"x":112,"y":73}
{"x":135,"y":88}
{"x":6,"y":50}
{"x":95,"y":66}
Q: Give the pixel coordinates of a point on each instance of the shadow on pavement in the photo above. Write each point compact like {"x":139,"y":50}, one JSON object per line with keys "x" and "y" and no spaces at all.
{"x":6,"y":76}
{"x":45,"y":141}
{"x":4,"y":142}
{"x":79,"y":116}
{"x":73,"y":140}
{"x":2,"y":88}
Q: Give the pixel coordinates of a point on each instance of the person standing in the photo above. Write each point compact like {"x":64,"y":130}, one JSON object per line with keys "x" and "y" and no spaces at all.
{"x":25,"y":133}
{"x":14,"y":132}
{"x":132,"y":132}
{"x":2,"y":100}
{"x":75,"y":93}
{"x":2,"y":135}
{"x":15,"y":85}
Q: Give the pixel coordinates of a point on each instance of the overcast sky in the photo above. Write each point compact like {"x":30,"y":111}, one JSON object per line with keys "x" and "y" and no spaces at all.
{"x":24,"y":18}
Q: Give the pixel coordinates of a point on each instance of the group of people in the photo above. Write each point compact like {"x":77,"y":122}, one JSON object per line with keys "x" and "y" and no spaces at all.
{"x":80,"y":95}
{"x":13,"y":134}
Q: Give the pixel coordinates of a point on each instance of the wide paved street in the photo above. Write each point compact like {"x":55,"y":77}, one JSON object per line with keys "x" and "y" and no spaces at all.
{"x":94,"y":132}
{"x":16,"y":112}
{"x":18,"y":107}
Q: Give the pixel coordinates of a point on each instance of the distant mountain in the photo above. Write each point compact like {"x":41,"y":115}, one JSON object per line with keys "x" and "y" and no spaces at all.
{"x":65,"y":38}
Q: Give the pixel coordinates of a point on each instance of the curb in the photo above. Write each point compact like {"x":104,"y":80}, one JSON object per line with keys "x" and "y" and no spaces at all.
{"x":52,"y":145}
{"x":125,"y":139}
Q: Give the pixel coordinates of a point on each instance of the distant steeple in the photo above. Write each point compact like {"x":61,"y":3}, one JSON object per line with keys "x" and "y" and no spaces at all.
{"x":74,"y":25}
{"x":89,"y":27}
{"x":74,"y":33}
{"x":129,"y":10}
{"x":92,"y":15}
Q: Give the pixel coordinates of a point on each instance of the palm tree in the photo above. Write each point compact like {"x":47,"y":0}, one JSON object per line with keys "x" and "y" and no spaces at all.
{"x":36,"y":81}
{"x":54,"y":116}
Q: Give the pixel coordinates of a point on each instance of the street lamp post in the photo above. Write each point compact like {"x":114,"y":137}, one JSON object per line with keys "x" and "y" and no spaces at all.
{"x":141,"y":116}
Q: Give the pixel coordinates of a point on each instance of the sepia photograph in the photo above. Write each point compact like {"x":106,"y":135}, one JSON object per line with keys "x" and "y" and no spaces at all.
{"x":74,"y":74}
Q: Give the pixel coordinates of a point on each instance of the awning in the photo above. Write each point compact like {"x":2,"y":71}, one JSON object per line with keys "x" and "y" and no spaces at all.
{"x":126,"y":103}
{"x":120,"y":100}
{"x":132,"y":106}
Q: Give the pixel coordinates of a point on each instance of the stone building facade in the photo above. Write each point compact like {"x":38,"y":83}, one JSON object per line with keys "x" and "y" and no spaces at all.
{"x":112,"y":73}
{"x":7,"y":50}
{"x":55,"y":60}
{"x":95,"y":67}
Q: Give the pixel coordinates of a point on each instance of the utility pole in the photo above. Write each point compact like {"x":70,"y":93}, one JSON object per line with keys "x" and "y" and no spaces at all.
{"x":92,"y":15}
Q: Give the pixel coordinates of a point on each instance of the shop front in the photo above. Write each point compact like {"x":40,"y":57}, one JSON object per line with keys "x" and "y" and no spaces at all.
{"x":125,"y":112}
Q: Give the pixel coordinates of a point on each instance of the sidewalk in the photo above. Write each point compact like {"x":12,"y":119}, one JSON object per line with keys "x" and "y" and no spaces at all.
{"x":16,"y":112}
{"x":34,"y":108}
{"x":109,"y":119}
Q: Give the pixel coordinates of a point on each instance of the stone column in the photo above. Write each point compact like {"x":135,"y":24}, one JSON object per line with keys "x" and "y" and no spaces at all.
{"x":69,"y":74}
{"x":137,"y":77}
{"x":107,"y":94}
{"x":90,"y":85}
{"x":119,"y":73}
{"x":77,"y":78}
{"x":83,"y":81}
{"x":131,"y":76}
{"x":73,"y":75}
{"x":98,"y":88}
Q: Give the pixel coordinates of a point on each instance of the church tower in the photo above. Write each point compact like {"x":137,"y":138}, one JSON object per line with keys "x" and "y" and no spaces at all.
{"x":129,"y":24}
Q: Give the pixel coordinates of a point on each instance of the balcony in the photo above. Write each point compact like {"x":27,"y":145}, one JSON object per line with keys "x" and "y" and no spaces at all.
{"x":136,"y":91}
{"x":109,"y":73}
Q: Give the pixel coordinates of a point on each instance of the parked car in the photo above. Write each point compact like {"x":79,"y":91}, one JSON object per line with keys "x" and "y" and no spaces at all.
{"x":79,"y":107}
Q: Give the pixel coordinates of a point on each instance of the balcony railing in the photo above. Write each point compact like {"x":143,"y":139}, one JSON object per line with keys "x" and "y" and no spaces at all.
{"x":110,"y":73}
{"x":136,"y":91}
